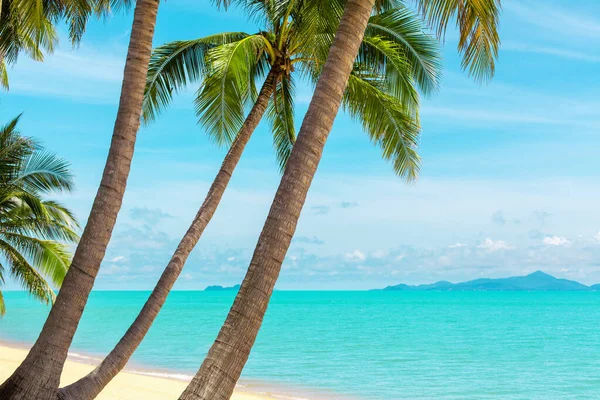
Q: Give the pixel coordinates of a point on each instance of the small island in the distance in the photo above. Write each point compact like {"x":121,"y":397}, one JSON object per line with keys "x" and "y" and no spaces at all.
{"x":217,"y":288}
{"x":537,"y":281}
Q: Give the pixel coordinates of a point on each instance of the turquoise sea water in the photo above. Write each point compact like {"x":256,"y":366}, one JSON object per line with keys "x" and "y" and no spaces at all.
{"x":369,"y":345}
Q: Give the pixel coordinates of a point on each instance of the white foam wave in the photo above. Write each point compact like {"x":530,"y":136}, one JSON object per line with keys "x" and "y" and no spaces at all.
{"x":166,"y":375}
{"x":83,"y":357}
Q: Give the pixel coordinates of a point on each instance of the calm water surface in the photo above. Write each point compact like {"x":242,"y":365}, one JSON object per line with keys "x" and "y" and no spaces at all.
{"x":370,"y":345}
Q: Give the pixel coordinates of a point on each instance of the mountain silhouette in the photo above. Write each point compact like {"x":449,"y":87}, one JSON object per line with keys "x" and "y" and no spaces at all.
{"x":537,"y":281}
{"x":217,"y":288}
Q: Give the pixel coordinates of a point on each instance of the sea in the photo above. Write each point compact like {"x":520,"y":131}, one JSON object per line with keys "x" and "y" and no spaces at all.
{"x":362,"y":345}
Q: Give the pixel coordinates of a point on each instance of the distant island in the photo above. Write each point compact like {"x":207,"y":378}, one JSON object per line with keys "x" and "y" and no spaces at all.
{"x":537,"y":281}
{"x":217,"y":288}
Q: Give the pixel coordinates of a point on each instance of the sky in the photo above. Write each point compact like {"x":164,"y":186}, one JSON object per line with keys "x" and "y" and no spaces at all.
{"x":509,"y":185}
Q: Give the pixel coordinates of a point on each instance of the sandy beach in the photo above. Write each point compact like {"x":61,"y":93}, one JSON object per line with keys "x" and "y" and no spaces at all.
{"x":126,"y":386}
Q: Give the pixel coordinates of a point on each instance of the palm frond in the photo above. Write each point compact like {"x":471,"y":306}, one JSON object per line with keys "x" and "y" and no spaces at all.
{"x":477,"y":22}
{"x":10,"y":128}
{"x":385,"y":58}
{"x":3,"y":76}
{"x":47,"y":230}
{"x":318,"y":16}
{"x":35,"y":233}
{"x":386,"y":5}
{"x":76,"y":13}
{"x":14,"y":150}
{"x":280,"y":113}
{"x":45,"y":172}
{"x":29,"y":26}
{"x":25,"y":274}
{"x":263,"y":12}
{"x":32,"y":201}
{"x":25,"y":26}
{"x":229,"y":84}
{"x":56,"y":222}
{"x":62,"y":215}
{"x":2,"y":305}
{"x":420,"y":49}
{"x":387,"y":121}
{"x":51,"y":258}
{"x":174,"y":65}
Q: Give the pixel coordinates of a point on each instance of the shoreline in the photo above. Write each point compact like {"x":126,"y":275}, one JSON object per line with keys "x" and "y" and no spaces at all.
{"x":135,"y":381}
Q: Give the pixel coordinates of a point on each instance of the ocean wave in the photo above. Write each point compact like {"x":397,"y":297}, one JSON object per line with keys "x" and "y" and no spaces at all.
{"x":278,"y":396}
{"x":166,"y":375}
{"x":83,"y":357}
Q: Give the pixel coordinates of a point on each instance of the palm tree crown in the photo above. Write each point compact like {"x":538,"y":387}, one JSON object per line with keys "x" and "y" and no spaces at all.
{"x":34,"y":232}
{"x":395,"y":60}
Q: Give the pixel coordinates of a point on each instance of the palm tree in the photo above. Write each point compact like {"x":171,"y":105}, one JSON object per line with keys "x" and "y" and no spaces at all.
{"x":34,"y":232}
{"x":477,"y":21}
{"x":38,"y":376}
{"x":29,"y":26}
{"x":232,"y":62}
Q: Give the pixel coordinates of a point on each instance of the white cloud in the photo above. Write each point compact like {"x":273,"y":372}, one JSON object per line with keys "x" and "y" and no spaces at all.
{"x":117,"y":259}
{"x":597,"y":237}
{"x":379,"y":253}
{"x":356,"y":255}
{"x":489,"y":258}
{"x":556,"y":241}
{"x":494,"y":245}
{"x":457,"y":245}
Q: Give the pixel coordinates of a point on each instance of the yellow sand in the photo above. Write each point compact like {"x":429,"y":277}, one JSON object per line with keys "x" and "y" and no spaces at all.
{"x":126,"y":386}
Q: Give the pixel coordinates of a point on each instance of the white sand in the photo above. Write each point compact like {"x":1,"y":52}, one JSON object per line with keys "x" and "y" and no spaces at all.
{"x":126,"y":386}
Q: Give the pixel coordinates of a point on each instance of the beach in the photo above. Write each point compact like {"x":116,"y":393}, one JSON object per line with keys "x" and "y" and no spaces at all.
{"x":126,"y":386}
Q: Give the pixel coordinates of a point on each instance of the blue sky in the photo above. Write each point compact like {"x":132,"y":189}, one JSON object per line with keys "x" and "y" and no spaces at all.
{"x":509,"y":182}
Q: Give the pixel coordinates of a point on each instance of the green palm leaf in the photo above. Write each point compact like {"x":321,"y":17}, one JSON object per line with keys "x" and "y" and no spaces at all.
{"x":25,"y":274}
{"x":477,"y":22}
{"x":280,"y":113}
{"x":385,"y":58}
{"x":229,"y":84}
{"x":176,"y":64}
{"x":29,"y":25}
{"x":57,"y":222}
{"x":34,"y":232}
{"x":3,"y":75}
{"x":24,"y":26}
{"x":14,"y":149}
{"x":389,"y":124}
{"x":50,"y":258}
{"x":2,"y":305}
{"x":45,"y":172}
{"x":421,"y":50}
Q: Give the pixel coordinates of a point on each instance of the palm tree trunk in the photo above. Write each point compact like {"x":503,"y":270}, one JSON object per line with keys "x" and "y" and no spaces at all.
{"x":91,"y":385}
{"x":37,"y":378}
{"x":223,"y":365}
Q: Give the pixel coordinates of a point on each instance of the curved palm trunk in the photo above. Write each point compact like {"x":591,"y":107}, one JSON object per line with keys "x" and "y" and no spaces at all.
{"x":37,"y":378}
{"x":226,"y":358}
{"x":91,"y":385}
